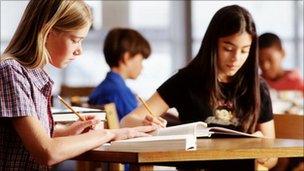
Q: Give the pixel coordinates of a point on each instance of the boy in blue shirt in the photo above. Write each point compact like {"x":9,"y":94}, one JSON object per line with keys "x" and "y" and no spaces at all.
{"x":124,"y":50}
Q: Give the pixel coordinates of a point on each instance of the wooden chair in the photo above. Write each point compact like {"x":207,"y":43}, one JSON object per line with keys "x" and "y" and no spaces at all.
{"x":67,"y":91}
{"x":112,"y":116}
{"x":287,"y":126}
{"x":112,"y":123}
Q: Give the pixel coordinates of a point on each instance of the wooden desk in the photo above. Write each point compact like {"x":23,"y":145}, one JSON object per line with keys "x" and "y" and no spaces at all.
{"x":208,"y":150}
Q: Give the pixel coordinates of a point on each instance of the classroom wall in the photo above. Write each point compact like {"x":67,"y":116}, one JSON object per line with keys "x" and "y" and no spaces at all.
{"x":167,"y":25}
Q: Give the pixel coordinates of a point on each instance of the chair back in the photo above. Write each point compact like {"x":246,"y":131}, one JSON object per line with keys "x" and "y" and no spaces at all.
{"x":77,"y":96}
{"x":289,"y":126}
{"x":112,"y":117}
{"x":67,"y":91}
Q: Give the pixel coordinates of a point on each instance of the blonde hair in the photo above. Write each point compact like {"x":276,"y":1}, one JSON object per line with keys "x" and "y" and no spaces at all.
{"x":28,"y":43}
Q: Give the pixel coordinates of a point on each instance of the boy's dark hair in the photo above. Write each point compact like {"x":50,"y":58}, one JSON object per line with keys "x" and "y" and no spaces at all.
{"x":121,"y":40}
{"x":267,"y":40}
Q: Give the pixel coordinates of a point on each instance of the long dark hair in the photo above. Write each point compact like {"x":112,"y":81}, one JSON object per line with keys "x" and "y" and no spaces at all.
{"x":245,"y":94}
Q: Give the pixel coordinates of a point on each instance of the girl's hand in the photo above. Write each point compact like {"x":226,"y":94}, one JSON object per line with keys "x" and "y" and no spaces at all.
{"x":267,"y":162}
{"x":126,"y":133}
{"x":157,"y":121}
{"x":79,"y":127}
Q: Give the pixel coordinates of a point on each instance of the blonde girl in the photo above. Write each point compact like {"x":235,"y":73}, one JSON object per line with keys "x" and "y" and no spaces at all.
{"x":50,"y":31}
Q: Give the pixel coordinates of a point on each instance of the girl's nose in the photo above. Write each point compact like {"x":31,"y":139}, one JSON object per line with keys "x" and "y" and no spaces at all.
{"x":236,"y":55}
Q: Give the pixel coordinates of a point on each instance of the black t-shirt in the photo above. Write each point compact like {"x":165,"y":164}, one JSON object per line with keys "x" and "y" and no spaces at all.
{"x":179,"y":91}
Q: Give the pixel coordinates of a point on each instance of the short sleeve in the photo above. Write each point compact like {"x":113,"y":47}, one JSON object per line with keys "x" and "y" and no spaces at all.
{"x":15,"y":93}
{"x":172,"y":90}
{"x":266,"y":113}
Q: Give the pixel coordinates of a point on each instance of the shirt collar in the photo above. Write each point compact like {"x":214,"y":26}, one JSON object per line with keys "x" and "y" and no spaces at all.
{"x":115,"y":77}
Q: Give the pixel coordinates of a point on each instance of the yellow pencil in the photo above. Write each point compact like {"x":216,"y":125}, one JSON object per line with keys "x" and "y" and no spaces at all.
{"x":146,"y":106}
{"x":69,"y":107}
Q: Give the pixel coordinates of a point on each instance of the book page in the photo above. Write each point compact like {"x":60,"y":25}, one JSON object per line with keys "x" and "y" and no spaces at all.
{"x":220,"y":130}
{"x":195,"y":128}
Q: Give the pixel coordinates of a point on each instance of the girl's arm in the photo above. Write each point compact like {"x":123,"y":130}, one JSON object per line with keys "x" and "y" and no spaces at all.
{"x":267,"y":129}
{"x":141,"y":115}
{"x":49,"y":151}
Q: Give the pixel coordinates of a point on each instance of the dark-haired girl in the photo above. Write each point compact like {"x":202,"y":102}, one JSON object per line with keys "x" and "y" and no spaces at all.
{"x":221,"y":85}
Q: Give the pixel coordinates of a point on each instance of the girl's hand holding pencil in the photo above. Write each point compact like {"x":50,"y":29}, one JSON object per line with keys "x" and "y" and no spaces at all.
{"x":151,"y":119}
{"x":79,"y":126}
{"x":84,"y":124}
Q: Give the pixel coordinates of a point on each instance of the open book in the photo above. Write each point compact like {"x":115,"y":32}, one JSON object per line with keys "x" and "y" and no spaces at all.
{"x":199,"y":129}
{"x":182,"y":136}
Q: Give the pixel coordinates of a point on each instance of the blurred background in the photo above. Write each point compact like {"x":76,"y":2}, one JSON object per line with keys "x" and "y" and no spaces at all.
{"x":175,"y":30}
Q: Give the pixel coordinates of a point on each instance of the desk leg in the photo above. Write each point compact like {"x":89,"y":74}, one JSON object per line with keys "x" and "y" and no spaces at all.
{"x":138,"y":167}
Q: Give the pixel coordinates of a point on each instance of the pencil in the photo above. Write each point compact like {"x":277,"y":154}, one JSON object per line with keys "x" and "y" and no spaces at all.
{"x":69,"y":107}
{"x":146,"y":106}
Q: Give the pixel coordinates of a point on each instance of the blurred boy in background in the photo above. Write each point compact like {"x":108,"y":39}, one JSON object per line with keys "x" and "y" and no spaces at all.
{"x":124,"y":51}
{"x":271,"y":55}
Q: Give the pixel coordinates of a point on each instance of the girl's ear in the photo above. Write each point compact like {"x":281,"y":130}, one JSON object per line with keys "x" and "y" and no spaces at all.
{"x":48,"y":36}
{"x":53,"y":32}
{"x":50,"y":32}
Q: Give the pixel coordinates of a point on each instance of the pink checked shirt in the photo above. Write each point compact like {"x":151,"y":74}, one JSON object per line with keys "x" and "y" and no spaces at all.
{"x":23,"y":92}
